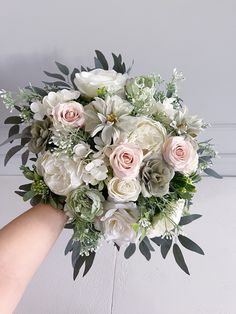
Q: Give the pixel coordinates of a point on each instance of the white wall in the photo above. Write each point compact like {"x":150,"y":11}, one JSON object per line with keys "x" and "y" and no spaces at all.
{"x":197,"y":37}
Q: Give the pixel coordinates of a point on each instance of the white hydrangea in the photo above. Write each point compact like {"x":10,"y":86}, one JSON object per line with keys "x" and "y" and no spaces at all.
{"x":94,"y":172}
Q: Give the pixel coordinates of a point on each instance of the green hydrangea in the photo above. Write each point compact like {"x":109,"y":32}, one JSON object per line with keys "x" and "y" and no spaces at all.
{"x":85,"y":203}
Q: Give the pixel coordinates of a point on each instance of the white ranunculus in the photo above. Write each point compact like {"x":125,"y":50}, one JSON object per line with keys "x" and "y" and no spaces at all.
{"x":39,"y":109}
{"x":165,"y":107}
{"x":54,"y":98}
{"x":149,"y":135}
{"x":116,"y":224}
{"x":124,"y":190}
{"x":89,"y":82}
{"x":61,"y":173}
{"x":167,"y":220}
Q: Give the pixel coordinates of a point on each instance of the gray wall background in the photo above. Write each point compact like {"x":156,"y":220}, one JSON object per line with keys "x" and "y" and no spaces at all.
{"x":197,"y":37}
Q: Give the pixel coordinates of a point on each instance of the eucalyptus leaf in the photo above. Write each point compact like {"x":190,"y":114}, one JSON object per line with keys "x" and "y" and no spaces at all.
{"x":190,"y":245}
{"x":35,"y":200}
{"x":13,"y":120}
{"x":75,"y":253}
{"x":25,"y":187}
{"x":158,"y":240}
{"x":102,"y":59}
{"x":41,"y":92}
{"x":165,"y":247}
{"x":79,"y":263}
{"x":89,"y":262}
{"x":28,"y":195}
{"x":12,"y":151}
{"x":145,"y":250}
{"x":148,"y":244}
{"x":14,"y":130}
{"x":118,"y":65}
{"x":57,"y":84}
{"x":62,"y":68}
{"x":24,"y":157}
{"x":185,"y":220}
{"x":20,"y":193}
{"x":55,"y":75}
{"x":130,"y":250}
{"x":212,"y":173}
{"x":72,"y":77}
{"x":69,"y":246}
{"x":117,"y":247}
{"x":179,"y":258}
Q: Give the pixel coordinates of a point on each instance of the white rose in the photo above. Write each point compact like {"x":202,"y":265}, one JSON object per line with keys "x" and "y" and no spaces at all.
{"x":89,"y":82}
{"x":124,"y":190}
{"x":116,"y":224}
{"x":167,"y":220}
{"x":149,"y":135}
{"x":61,"y":174}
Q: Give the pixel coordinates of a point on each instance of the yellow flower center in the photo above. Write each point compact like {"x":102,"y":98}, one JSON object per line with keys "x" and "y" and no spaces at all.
{"x":112,"y":117}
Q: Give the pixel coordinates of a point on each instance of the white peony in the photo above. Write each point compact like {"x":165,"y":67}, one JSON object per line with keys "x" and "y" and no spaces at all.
{"x":124,"y":190}
{"x":166,"y":220}
{"x":149,"y":135}
{"x":94,"y":172}
{"x":116,"y":224}
{"x":61,"y":173}
{"x":89,"y":82}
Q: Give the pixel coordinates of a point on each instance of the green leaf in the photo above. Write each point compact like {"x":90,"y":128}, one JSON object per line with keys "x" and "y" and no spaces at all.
{"x":52,"y":202}
{"x":24,"y":157}
{"x":190,"y":245}
{"x":179,"y":258}
{"x":117,"y":247}
{"x":36,"y":200}
{"x":28,"y":195}
{"x":165,"y":247}
{"x":79,"y":263}
{"x":102,"y":59}
{"x":25,"y":187}
{"x":12,"y":151}
{"x":55,"y":75}
{"x":145,"y":250}
{"x":185,"y":220}
{"x":13,"y":120}
{"x":40,"y":91}
{"x":212,"y":173}
{"x":89,"y":262}
{"x":14,"y":130}
{"x":69,"y":226}
{"x":130,"y":250}
{"x":63,"y":68}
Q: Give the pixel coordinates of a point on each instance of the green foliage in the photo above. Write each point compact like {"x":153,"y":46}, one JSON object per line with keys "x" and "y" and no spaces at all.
{"x":182,"y":186}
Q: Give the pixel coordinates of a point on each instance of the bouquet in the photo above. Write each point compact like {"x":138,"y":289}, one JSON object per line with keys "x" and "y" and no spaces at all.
{"x":119,"y":154}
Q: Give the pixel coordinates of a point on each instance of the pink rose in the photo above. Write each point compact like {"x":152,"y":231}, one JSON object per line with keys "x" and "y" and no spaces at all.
{"x":180,"y":154}
{"x":125,"y":160}
{"x":70,"y":114}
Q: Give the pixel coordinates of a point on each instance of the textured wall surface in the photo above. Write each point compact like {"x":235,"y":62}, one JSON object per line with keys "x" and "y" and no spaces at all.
{"x":197,"y":37}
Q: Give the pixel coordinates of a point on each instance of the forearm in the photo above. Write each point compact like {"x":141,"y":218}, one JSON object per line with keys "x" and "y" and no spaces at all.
{"x":24,"y":243}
